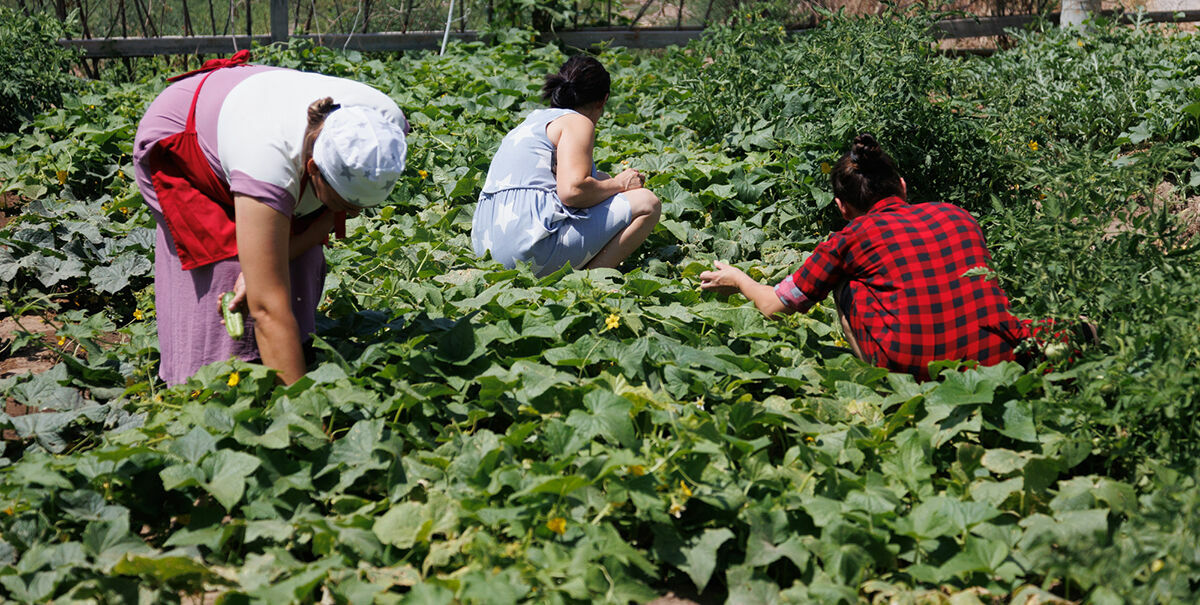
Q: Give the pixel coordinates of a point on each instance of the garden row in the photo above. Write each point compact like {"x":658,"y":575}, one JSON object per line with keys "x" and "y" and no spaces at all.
{"x":478,"y":435}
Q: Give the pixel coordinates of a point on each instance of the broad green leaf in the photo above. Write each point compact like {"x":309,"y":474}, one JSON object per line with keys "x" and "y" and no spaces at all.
{"x":700,"y":555}
{"x":1002,"y":461}
{"x":401,"y":524}
{"x":194,"y":445}
{"x":164,"y":569}
{"x":227,"y":471}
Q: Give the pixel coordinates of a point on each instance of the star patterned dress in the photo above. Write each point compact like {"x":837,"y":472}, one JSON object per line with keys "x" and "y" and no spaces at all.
{"x":520,"y":218}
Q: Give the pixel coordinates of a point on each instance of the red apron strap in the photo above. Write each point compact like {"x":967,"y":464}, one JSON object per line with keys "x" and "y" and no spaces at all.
{"x":241,"y":57}
{"x":196,"y":203}
{"x":191,"y":119}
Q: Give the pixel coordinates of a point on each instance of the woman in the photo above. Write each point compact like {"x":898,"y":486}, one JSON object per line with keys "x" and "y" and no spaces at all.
{"x":544,"y":202}
{"x":899,"y":275}
{"x":246,"y":169}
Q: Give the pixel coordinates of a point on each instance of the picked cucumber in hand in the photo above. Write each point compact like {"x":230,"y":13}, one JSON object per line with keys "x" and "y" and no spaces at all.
{"x":233,"y":319}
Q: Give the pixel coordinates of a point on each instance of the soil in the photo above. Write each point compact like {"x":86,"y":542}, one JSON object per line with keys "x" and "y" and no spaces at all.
{"x":9,"y":207}
{"x":671,"y":599}
{"x":32,"y":359}
{"x":1186,"y":209}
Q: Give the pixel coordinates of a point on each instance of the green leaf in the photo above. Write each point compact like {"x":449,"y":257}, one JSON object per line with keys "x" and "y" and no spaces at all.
{"x":227,"y":471}
{"x":607,"y":416}
{"x":700,"y":555}
{"x":115,"y":276}
{"x":164,"y":569}
{"x":559,"y":486}
{"x":1002,"y":461}
{"x":402,"y":524}
{"x":944,"y":516}
{"x":194,"y":445}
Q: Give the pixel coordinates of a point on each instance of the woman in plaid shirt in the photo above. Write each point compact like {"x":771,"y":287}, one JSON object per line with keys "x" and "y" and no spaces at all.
{"x":898,"y":273}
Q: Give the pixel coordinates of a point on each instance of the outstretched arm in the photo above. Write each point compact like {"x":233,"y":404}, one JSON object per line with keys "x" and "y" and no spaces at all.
{"x":263,"y":237}
{"x":728,"y":279}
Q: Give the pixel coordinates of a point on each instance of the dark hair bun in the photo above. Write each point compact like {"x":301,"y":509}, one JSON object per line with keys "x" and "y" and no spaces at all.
{"x":866,"y":174}
{"x":580,"y":81}
{"x":866,"y":152}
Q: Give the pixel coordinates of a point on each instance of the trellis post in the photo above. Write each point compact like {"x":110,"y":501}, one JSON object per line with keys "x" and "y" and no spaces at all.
{"x":1075,"y":12}
{"x":279,"y":20}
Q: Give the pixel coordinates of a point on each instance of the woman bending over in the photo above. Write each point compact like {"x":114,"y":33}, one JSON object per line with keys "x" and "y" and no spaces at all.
{"x":544,"y":202}
{"x":246,"y":169}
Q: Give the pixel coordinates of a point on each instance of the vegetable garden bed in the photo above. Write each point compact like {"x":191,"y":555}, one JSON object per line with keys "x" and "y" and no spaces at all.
{"x":478,"y":435}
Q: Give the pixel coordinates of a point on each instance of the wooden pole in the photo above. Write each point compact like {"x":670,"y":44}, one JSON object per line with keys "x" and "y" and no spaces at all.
{"x":1075,"y":12}
{"x":279,"y":21}
{"x":641,"y":11}
{"x":187,"y":20}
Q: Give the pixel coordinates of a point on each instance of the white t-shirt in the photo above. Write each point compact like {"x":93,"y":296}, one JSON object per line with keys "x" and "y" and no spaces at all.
{"x":260,"y":131}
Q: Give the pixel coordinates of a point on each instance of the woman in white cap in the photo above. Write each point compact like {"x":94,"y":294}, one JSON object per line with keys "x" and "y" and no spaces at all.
{"x":246,"y":169}
{"x":544,"y":202}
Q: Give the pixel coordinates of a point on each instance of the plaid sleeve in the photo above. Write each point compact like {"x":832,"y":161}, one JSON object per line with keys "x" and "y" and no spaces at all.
{"x":791,"y":296}
{"x":823,"y":270}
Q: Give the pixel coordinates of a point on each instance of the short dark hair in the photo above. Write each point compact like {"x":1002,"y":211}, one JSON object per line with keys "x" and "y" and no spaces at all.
{"x":580,"y":81}
{"x":865,"y":175}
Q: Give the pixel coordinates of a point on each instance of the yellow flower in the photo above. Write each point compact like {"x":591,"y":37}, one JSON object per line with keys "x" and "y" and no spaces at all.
{"x":1033,"y":146}
{"x":1156,"y":566}
{"x":557,"y":525}
{"x":826,"y":168}
{"x":612,"y":322}
{"x":62,"y":176}
{"x":195,"y":394}
{"x":809,"y":439}
{"x":676,"y":509}
{"x":423,"y":174}
{"x":124,"y":211}
{"x":637,"y":470}
{"x":1079,"y":42}
{"x":685,"y":490}
{"x":62,"y":340}
{"x":137,"y":314}
{"x":234,"y":379}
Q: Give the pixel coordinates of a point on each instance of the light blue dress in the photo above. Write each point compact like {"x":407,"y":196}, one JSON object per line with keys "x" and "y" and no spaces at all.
{"x":519,"y":216}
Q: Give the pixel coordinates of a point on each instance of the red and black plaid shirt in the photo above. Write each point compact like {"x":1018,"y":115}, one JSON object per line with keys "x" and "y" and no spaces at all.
{"x":908,"y":301}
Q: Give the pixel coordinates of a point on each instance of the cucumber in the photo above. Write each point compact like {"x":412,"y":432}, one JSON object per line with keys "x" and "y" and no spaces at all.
{"x":233,"y":319}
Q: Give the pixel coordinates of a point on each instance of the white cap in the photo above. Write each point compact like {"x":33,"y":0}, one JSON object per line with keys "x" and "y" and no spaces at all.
{"x":361,"y":154}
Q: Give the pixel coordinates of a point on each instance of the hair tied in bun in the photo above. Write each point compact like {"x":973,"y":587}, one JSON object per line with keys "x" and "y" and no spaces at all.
{"x":580,"y":81}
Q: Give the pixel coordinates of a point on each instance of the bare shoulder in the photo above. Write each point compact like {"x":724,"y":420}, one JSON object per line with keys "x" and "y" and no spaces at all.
{"x":579,"y":126}
{"x":574,"y":120}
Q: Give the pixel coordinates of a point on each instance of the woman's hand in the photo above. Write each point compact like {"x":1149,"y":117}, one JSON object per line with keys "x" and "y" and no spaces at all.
{"x":630,"y":179}
{"x":239,"y":294}
{"x":726,"y":279}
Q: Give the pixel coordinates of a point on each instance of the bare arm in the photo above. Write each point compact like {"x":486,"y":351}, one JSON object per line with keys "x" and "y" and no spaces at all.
{"x":314,"y":235}
{"x":573,"y":136}
{"x":263,"y":238}
{"x":728,"y":279}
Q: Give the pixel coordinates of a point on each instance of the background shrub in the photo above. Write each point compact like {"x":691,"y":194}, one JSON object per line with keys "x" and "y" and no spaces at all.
{"x":35,"y":71}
